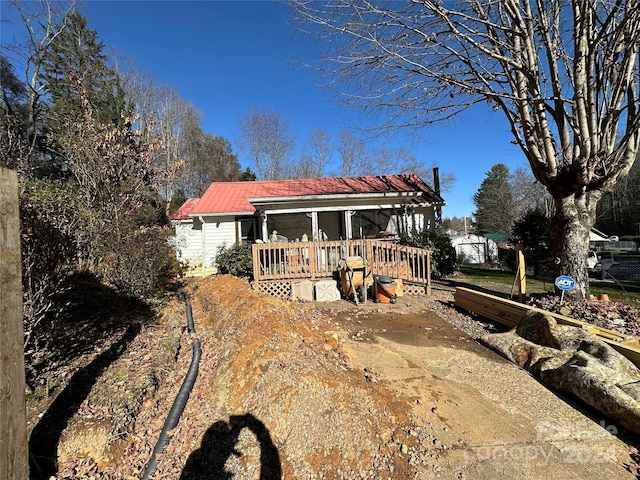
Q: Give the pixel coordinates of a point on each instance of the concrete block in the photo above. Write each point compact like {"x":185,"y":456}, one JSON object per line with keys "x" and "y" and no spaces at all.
{"x":302,"y":290}
{"x":327,"y":291}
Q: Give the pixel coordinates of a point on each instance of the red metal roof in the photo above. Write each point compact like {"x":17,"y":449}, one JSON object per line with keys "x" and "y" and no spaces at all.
{"x":232,"y":197}
{"x":183,"y":212}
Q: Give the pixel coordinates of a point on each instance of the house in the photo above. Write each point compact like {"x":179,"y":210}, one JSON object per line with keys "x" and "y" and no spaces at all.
{"x":304,"y":209}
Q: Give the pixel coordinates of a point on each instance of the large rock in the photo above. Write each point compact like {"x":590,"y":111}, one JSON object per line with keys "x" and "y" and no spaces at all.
{"x":571,"y":360}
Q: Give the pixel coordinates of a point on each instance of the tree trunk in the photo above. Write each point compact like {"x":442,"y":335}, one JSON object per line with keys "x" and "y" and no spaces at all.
{"x":570,"y":227}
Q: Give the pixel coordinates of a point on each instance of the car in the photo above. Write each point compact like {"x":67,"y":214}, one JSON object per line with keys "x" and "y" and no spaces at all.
{"x":592,"y":260}
{"x":604,"y":262}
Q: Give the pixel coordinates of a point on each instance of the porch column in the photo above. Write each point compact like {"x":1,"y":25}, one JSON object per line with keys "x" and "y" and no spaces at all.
{"x":347,"y":224}
{"x":314,"y":225}
{"x":265,"y":233}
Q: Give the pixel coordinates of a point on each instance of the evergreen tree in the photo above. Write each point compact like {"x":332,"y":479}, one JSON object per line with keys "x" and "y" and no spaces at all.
{"x":78,"y":78}
{"x":532,"y":231}
{"x":13,"y":139}
{"x":494,"y":202}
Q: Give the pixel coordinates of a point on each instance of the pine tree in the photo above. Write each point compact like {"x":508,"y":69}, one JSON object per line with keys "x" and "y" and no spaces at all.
{"x":495,"y":208}
{"x":78,"y":78}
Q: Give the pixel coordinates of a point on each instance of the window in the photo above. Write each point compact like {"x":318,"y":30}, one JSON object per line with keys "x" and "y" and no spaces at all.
{"x":248,"y":230}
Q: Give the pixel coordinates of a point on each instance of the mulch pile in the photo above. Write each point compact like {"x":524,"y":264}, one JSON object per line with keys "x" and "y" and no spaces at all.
{"x":611,"y":315}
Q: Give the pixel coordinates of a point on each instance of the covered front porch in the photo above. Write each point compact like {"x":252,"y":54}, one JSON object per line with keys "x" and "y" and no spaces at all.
{"x":336,"y":224}
{"x":277,"y":264}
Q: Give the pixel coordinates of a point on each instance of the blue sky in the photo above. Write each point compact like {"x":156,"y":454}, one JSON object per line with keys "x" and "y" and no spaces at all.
{"x":229,"y":57}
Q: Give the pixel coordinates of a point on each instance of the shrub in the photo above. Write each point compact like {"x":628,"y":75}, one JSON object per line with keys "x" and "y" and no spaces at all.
{"x":443,"y":255}
{"x":142,"y":264}
{"x":236,"y":260}
{"x":48,"y":222}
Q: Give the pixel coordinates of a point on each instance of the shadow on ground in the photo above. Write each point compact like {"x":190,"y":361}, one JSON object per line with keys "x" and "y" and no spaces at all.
{"x":219,"y":444}
{"x":94,"y":316}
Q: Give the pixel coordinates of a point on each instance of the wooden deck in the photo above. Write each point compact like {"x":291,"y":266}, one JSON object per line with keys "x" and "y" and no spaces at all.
{"x":282,"y":263}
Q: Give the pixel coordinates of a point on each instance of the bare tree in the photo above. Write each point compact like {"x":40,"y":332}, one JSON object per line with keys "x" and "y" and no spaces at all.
{"x":619,"y":210}
{"x":403,"y":160}
{"x":175,"y":117}
{"x":143,"y":93}
{"x":529,"y":194}
{"x":163,"y":118}
{"x":319,"y":151}
{"x":43,"y":20}
{"x":563,"y":72}
{"x":353,"y":154}
{"x":267,"y":138}
{"x":315,"y":155}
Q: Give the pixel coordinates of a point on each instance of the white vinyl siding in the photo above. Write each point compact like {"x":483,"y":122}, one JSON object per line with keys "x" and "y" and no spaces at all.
{"x":217,"y":232}
{"x":188,"y":243}
{"x":198,"y":243}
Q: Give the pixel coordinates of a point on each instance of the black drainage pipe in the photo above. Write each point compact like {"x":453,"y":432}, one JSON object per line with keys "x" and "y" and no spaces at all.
{"x":181,"y":398}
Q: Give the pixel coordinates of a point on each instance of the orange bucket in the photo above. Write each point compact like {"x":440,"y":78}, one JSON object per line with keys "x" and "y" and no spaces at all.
{"x":386,"y":290}
{"x":382,"y":295}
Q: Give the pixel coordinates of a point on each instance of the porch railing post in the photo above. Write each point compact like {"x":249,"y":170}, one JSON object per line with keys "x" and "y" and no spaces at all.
{"x":313,"y":260}
{"x":369,"y":250}
{"x":256,"y":265}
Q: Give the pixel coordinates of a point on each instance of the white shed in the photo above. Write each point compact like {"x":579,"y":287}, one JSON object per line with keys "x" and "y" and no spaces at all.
{"x":474,"y":249}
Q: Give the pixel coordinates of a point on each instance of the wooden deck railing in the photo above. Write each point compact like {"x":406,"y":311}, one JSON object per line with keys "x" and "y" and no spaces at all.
{"x":317,"y":260}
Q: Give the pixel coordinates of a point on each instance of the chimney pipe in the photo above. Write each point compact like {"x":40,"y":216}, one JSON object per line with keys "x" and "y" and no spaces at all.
{"x":436,"y":188}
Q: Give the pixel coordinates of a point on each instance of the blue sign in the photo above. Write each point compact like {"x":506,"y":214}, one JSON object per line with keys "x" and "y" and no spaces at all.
{"x":565,"y":282}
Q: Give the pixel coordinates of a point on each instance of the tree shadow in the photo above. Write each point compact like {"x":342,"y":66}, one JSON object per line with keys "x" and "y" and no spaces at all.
{"x":96,"y":315}
{"x":451,"y":284}
{"x":219,"y":443}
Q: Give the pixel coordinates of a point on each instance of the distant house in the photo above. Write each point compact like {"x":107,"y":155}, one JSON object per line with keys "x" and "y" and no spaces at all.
{"x":474,"y":249}
{"x":305,"y":209}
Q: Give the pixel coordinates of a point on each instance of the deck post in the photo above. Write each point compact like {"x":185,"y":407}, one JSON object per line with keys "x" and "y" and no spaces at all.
{"x":14,"y":458}
{"x":428,"y":272}
{"x":256,"y":265}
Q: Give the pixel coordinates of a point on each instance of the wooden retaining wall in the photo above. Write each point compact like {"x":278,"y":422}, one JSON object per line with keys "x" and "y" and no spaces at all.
{"x":510,"y":313}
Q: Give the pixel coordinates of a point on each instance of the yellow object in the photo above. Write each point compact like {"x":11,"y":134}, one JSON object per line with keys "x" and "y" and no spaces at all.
{"x":521,"y":276}
{"x":352,"y":276}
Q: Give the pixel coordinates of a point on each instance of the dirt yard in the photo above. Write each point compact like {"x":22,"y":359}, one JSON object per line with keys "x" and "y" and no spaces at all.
{"x":290,"y":390}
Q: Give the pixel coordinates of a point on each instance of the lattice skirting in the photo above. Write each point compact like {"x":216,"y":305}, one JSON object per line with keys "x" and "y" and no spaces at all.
{"x":283,"y":289}
{"x":414,"y":289}
{"x":275,"y":289}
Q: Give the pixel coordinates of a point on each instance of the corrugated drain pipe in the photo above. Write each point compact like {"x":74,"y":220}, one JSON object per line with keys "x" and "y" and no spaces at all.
{"x":181,"y":398}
